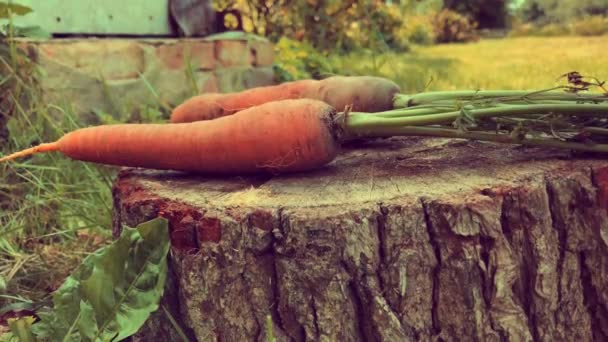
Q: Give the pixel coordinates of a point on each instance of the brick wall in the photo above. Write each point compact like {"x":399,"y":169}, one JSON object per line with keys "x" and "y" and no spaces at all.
{"x":100,"y":74}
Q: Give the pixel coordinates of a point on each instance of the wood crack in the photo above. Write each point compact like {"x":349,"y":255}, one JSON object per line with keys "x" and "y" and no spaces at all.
{"x":381,"y":232}
{"x":433,"y":240}
{"x":515,"y":226}
{"x":363,"y":317}
{"x":557,"y":223}
{"x":597,"y":312}
{"x":258,"y":329}
{"x":315,"y":317}
{"x":274,"y":280}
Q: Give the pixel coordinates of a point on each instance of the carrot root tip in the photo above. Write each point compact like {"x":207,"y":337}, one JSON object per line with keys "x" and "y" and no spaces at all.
{"x":48,"y":147}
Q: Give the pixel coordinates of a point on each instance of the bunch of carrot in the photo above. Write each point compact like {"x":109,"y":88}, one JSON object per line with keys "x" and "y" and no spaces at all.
{"x":288,"y":127}
{"x":296,"y":126}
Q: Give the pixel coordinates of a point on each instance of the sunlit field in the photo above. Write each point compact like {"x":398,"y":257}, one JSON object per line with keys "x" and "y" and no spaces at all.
{"x":512,"y":63}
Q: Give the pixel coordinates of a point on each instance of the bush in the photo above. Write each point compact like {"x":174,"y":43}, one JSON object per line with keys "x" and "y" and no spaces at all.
{"x":386,"y":23}
{"x":584,"y":26}
{"x":595,"y":25}
{"x":560,"y":11}
{"x":417,"y":30}
{"x":326,"y":24}
{"x":299,"y":60}
{"x":450,"y":26}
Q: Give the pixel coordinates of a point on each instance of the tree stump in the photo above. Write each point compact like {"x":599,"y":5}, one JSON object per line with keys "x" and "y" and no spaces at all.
{"x":401,"y":239}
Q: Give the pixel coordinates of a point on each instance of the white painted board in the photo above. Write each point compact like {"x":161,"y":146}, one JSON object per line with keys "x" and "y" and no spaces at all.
{"x":132,"y":17}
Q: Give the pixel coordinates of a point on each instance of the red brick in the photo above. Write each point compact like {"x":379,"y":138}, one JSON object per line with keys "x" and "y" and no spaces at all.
{"x":207,"y":82}
{"x":262,"y":53}
{"x":112,"y":59}
{"x":240,"y":78}
{"x":174,"y":55}
{"x":232,"y":53}
{"x":259,"y":77}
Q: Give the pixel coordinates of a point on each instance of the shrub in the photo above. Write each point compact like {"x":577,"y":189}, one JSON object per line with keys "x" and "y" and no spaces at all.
{"x":595,"y":25}
{"x":298,"y":60}
{"x":385,"y":23}
{"x":560,"y":11}
{"x":326,"y":24}
{"x":450,"y":26}
{"x":364,"y":24}
{"x":417,"y":30}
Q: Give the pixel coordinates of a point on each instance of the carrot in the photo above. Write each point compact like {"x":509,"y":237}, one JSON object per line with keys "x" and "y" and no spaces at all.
{"x":364,"y":93}
{"x":285,"y":136}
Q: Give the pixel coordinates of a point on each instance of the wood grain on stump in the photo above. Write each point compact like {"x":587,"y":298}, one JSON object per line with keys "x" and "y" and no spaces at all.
{"x":397,"y":240}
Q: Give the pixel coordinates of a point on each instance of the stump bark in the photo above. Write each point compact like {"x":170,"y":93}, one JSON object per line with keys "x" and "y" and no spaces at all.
{"x":402,"y":239}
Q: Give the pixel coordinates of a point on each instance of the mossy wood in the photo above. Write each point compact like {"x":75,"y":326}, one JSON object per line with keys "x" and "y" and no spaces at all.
{"x":403,"y":239}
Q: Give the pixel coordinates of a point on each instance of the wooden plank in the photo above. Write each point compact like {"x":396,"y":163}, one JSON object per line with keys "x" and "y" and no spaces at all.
{"x":130,"y":17}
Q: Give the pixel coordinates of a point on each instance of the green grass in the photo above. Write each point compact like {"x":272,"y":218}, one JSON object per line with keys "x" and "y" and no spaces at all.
{"x":47,"y":203}
{"x":515,"y":63}
{"x":52,"y":210}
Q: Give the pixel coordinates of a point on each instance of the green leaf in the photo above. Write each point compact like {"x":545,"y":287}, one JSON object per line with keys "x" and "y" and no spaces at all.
{"x":270,"y":330}
{"x":12,"y":9}
{"x":87,"y":315}
{"x":21,"y":328}
{"x":114,"y":291}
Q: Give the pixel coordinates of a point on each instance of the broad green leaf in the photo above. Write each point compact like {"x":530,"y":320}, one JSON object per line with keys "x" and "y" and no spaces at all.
{"x":87,"y":315}
{"x":13,"y":9}
{"x":114,"y":291}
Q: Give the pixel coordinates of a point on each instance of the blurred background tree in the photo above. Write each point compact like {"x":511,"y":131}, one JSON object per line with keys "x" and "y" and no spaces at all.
{"x":312,"y":29}
{"x":488,"y":14}
{"x":554,"y":11}
{"x":326,"y":24}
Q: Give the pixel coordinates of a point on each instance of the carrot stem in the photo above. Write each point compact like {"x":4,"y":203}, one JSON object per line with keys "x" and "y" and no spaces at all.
{"x":363,"y":121}
{"x":405,"y":100}
{"x":47,"y":147}
{"x":484,"y":136}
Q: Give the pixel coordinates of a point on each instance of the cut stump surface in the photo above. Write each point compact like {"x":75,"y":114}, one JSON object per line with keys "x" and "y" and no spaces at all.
{"x":403,"y":239}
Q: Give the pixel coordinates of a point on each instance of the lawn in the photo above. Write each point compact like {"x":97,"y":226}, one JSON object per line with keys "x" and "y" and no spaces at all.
{"x":55,"y":210}
{"x":515,"y":63}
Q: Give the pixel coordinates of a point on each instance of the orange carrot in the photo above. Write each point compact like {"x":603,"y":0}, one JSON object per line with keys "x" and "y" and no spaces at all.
{"x":364,"y":93}
{"x":285,"y":136}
